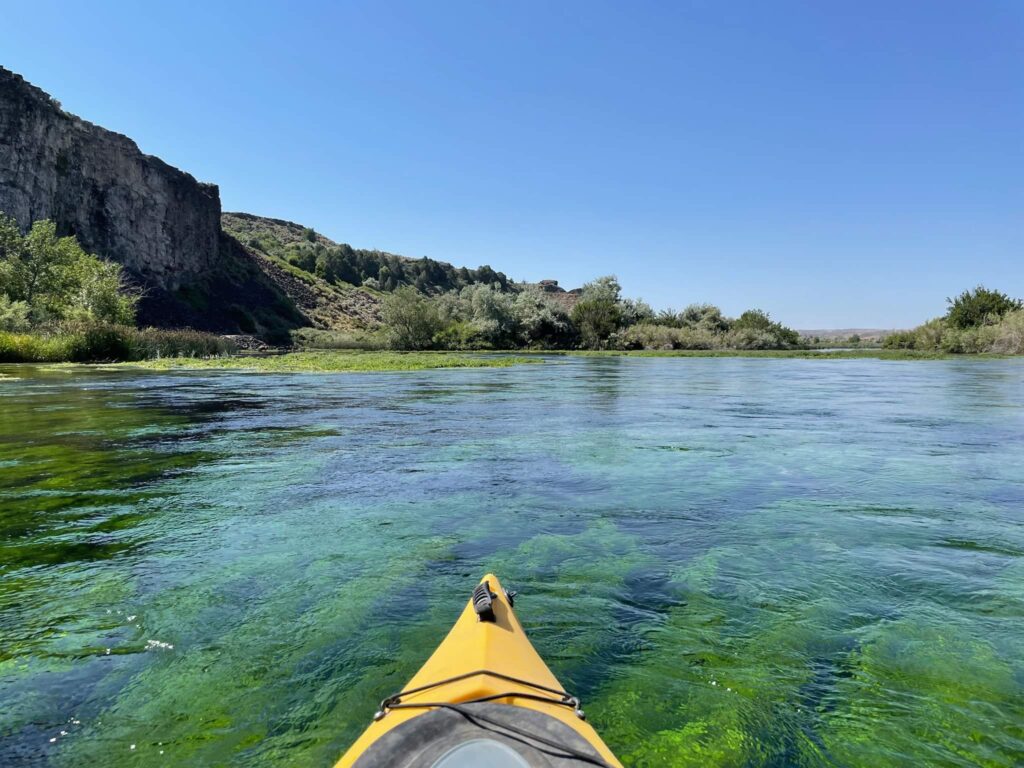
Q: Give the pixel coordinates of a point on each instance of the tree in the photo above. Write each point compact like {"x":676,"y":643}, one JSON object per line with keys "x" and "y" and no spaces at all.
{"x":704,"y":316}
{"x":540,"y":319}
{"x":598,"y":313}
{"x":492,"y":313}
{"x":979,"y":307}
{"x":13,"y":315}
{"x":754,"y":319}
{"x":596,"y":319}
{"x":57,"y":280}
{"x":606,"y":288}
{"x":635,"y":311}
{"x":411,"y":319}
{"x":755,"y":329}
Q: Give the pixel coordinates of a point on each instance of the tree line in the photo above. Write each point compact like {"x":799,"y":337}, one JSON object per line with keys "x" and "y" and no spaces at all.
{"x":977,"y":321}
{"x":486,"y":317}
{"x":60,"y":303}
{"x":384,"y":271}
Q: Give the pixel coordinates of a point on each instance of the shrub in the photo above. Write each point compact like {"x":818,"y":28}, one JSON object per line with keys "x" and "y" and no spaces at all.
{"x":411,"y":319}
{"x":313,"y":338}
{"x":32,"y":348}
{"x":60,"y":281}
{"x":752,"y":338}
{"x":755,"y":329}
{"x":13,"y":315}
{"x":542,"y":321}
{"x":596,"y":319}
{"x":704,"y":316}
{"x":1009,"y":334}
{"x":899,"y":340}
{"x":651,"y":336}
{"x":459,"y":335}
{"x":99,"y":342}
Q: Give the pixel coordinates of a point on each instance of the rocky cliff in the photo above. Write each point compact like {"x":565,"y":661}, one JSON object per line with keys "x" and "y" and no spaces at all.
{"x":158,"y":221}
{"x":161,"y":223}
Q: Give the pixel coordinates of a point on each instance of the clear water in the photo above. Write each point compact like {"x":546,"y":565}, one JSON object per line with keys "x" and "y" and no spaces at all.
{"x":734,"y":562}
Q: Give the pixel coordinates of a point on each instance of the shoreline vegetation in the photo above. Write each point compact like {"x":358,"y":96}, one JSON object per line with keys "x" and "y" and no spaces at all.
{"x":61,"y":304}
{"x":365,"y":361}
{"x":341,"y":361}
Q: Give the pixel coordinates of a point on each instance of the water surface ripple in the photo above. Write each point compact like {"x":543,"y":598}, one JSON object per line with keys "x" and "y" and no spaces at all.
{"x":734,"y":562}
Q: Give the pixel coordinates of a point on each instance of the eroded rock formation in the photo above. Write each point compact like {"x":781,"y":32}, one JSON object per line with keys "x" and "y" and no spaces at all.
{"x":161,"y":223}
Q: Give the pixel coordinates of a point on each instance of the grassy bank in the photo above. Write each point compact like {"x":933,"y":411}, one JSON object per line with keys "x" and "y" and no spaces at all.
{"x":105,"y":343}
{"x":338,"y":361}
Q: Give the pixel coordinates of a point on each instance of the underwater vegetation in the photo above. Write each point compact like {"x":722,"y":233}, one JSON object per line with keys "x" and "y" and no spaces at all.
{"x":731,"y":562}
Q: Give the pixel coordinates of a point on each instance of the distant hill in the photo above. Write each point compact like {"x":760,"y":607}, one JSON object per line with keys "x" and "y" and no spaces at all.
{"x":842,"y":334}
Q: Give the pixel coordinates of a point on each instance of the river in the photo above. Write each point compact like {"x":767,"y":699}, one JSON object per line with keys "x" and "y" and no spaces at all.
{"x":733,"y":562}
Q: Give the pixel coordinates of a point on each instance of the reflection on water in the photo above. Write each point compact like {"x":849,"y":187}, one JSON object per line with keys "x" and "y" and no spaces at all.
{"x":734,"y":562}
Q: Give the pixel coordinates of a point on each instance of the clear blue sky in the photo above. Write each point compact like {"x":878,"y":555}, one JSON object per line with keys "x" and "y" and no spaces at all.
{"x":836,"y":163}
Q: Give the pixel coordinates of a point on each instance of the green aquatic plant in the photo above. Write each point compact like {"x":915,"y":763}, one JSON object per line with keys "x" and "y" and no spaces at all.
{"x":732,"y":563}
{"x":938,"y":691}
{"x":336,"y":362}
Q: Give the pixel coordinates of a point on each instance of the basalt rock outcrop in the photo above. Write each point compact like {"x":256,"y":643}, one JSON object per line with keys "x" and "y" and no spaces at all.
{"x":161,"y":223}
{"x":133,"y":208}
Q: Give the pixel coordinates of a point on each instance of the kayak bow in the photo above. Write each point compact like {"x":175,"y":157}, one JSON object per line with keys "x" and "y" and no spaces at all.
{"x":485,"y":697}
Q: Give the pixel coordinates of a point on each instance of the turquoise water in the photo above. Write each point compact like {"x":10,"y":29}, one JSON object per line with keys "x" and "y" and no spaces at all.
{"x":733,"y":562}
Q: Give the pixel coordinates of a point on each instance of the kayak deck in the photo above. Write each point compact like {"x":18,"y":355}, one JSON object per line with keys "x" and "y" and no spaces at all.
{"x":486,"y":659}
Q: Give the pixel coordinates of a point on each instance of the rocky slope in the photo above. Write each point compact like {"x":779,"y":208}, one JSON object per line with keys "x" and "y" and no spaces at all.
{"x":337,"y":306}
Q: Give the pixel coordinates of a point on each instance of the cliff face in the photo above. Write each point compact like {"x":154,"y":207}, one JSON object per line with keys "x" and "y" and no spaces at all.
{"x":161,"y":223}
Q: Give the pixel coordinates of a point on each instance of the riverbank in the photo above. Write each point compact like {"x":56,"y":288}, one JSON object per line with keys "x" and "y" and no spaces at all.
{"x":107,"y":342}
{"x":809,"y":354}
{"x":338,"y":361}
{"x":196,"y":352}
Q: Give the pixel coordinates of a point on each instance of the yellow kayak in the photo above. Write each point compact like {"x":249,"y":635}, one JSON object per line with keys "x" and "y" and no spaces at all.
{"x":484,"y":698}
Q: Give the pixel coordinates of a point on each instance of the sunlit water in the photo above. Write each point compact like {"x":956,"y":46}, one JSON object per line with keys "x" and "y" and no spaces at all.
{"x":733,"y":562}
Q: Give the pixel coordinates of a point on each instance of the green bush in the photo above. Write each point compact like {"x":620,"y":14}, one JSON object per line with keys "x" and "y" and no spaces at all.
{"x":1009,"y":334}
{"x":755,"y":329}
{"x":460,"y":335}
{"x":13,"y":315}
{"x":411,"y":319}
{"x":59,"y":281}
{"x":652,"y":336}
{"x":980,"y":306}
{"x":1003,"y":337}
{"x":706,"y":316}
{"x":108,"y":343}
{"x":313,"y":338}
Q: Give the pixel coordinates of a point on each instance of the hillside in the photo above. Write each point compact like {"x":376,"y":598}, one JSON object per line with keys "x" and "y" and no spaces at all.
{"x":342,"y":265}
{"x":843,"y":334}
